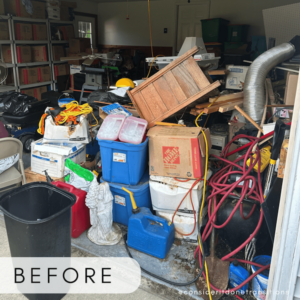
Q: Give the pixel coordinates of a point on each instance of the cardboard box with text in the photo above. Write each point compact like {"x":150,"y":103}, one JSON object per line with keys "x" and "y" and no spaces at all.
{"x":58,"y":52}
{"x":29,"y":92}
{"x":6,"y":54}
{"x":24,"y":54}
{"x":23,"y":31}
{"x":39,"y":53}
{"x":2,"y":10}
{"x":4,"y":35}
{"x":79,"y":45}
{"x":39,"y":10}
{"x":28,"y":75}
{"x":16,"y":8}
{"x":39,"y":91}
{"x":44,"y":73}
{"x":61,"y":69}
{"x":39,"y":32}
{"x":67,"y":31}
{"x":177,"y":151}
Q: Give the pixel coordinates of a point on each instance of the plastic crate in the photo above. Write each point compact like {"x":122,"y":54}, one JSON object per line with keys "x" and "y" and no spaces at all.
{"x":123,"y":162}
{"x":214,"y":30}
{"x":122,"y":207}
{"x":237,"y":33}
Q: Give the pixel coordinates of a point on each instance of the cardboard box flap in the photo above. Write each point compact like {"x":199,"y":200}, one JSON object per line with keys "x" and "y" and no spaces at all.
{"x":202,"y":142}
{"x":167,"y":131}
{"x":61,"y":149}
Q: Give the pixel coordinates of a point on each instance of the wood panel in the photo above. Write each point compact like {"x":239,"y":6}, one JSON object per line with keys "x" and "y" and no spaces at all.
{"x":228,"y":97}
{"x":142,"y":107}
{"x":165,"y":92}
{"x":185,"y":81}
{"x":230,"y":106}
{"x":175,"y":87}
{"x":200,"y":79}
{"x":157,"y":106}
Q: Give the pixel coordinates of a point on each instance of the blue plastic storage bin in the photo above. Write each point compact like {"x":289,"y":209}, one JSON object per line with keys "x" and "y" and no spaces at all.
{"x":123,"y":162}
{"x":122,"y":207}
{"x":237,"y":275}
{"x":92,"y":148}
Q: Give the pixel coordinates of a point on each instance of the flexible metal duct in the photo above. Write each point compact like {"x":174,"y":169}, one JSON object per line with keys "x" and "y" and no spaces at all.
{"x":254,"y":91}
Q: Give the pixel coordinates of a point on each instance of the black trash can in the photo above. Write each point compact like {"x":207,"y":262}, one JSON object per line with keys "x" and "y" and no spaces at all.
{"x":38,"y":223}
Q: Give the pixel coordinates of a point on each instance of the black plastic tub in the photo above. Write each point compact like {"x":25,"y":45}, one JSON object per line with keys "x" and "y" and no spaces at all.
{"x":38,"y":223}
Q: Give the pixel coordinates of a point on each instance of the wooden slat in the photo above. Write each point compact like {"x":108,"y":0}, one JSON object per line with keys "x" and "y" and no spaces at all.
{"x":210,"y":110}
{"x":185,"y":103}
{"x":185,"y":81}
{"x":157,"y":105}
{"x":228,"y":97}
{"x":193,"y":69}
{"x":141,"y":106}
{"x":167,"y":68}
{"x":230,"y":106}
{"x":175,"y":87}
{"x":165,"y":92}
{"x":218,"y":72}
{"x":204,"y":105}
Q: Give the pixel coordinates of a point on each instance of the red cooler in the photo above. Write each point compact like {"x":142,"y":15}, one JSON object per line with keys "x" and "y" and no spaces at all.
{"x":80,"y":212}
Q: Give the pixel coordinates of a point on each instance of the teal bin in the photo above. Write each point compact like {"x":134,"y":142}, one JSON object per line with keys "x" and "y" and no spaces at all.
{"x":123,"y":162}
{"x":122,"y":207}
{"x":214,"y":30}
{"x":237,"y":33}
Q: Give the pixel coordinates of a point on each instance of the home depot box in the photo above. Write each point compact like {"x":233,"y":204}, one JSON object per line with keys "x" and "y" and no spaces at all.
{"x":39,"y":10}
{"x":16,"y":8}
{"x":29,"y":92}
{"x":61,"y":70}
{"x":282,"y":159}
{"x":2,"y":10}
{"x":79,"y":45}
{"x":24,"y":54}
{"x":23,"y":31}
{"x":67,"y":31}
{"x":44,"y":73}
{"x":177,"y":151}
{"x":4,"y":31}
{"x":58,"y":52}
{"x":39,"y":32}
{"x":290,"y":89}
{"x":28,"y":75}
{"x":6,"y":54}
{"x":51,"y":157}
{"x":39,"y":91}
{"x":39,"y":53}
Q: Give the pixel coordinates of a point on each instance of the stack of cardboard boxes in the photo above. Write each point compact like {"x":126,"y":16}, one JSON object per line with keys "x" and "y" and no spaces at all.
{"x":16,"y":8}
{"x":36,"y":92}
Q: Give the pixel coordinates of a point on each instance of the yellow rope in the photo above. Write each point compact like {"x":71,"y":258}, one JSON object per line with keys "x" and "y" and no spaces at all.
{"x":202,"y":205}
{"x":152,"y":63}
{"x":196,"y":121}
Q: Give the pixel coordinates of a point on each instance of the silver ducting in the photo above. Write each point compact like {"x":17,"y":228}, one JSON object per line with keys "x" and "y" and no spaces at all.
{"x":254,"y":92}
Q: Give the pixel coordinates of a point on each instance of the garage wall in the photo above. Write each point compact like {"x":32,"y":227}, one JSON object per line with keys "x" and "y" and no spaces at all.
{"x":114,"y":29}
{"x":86,"y":6}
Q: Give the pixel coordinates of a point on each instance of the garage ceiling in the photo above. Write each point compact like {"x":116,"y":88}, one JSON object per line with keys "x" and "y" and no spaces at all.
{"x":107,"y":1}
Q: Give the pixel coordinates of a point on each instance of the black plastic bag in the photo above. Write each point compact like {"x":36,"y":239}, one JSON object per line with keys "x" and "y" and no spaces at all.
{"x":108,"y":97}
{"x":16,"y":104}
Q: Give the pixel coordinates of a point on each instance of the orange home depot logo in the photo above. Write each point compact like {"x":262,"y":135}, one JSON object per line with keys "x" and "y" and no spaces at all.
{"x":171,"y":155}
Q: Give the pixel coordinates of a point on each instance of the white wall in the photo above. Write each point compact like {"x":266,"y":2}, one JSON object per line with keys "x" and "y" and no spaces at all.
{"x":114,"y":29}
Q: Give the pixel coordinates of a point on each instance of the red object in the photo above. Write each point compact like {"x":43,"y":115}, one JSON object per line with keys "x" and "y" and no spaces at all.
{"x":19,"y":56}
{"x":80,"y":212}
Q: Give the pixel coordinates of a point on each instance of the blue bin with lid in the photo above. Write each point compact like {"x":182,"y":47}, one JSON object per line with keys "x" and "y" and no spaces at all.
{"x":122,"y":207}
{"x":123,"y":162}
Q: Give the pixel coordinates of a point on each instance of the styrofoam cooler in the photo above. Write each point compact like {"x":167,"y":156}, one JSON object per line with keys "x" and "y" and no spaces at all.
{"x":122,"y":207}
{"x":167,"y":193}
{"x":133,"y":130}
{"x":111,"y":127}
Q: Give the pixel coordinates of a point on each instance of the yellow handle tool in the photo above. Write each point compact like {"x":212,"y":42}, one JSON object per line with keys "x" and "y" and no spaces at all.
{"x":135,"y":209}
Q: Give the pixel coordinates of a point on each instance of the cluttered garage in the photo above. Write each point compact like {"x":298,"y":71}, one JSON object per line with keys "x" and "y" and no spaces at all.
{"x":161,"y":130}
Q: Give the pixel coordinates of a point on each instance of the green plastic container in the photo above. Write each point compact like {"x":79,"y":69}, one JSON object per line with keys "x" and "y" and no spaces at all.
{"x":237,"y":33}
{"x":232,"y":45}
{"x":214,"y":30}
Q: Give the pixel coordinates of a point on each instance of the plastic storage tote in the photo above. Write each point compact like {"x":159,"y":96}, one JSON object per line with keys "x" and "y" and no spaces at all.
{"x":122,"y":207}
{"x":214,"y":30}
{"x":122,"y":162}
{"x":110,"y":129}
{"x":237,"y":33}
{"x":80,"y":212}
{"x":133,"y":130}
{"x":38,"y":223}
{"x":150,"y":234}
{"x":237,"y":275}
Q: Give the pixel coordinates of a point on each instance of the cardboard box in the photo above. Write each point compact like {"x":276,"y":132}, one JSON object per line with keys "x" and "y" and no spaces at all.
{"x":58,"y":52}
{"x":89,"y":50}
{"x":61,"y":69}
{"x":10,"y":77}
{"x":28,"y":75}
{"x":290,"y":89}
{"x":24,"y":54}
{"x":39,"y":53}
{"x":237,"y":74}
{"x":39,"y":32}
{"x":6,"y":54}
{"x":44,"y":73}
{"x":39,"y":10}
{"x":67,"y":31}
{"x":39,"y":91}
{"x":34,"y":177}
{"x":29,"y":92}
{"x":16,"y":8}
{"x":64,"y":9}
{"x":23,"y":31}
{"x":282,"y":159}
{"x":2,"y":10}
{"x":52,"y":157}
{"x":4,"y":35}
{"x":177,"y":151}
{"x":79,"y":45}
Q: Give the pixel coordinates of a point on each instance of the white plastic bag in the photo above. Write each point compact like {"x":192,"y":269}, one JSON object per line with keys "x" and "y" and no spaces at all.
{"x":8,"y":162}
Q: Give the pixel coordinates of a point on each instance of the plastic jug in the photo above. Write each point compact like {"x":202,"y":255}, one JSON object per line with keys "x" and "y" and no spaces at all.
{"x":80,"y":212}
{"x":133,"y":130}
{"x":110,"y":129}
{"x":237,"y":275}
{"x":148,"y":233}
